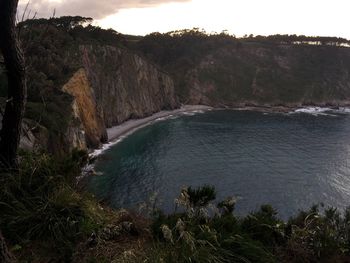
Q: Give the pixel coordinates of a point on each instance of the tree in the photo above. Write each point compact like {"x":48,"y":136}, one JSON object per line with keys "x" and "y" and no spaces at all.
{"x":17,"y":89}
{"x":14,"y":108}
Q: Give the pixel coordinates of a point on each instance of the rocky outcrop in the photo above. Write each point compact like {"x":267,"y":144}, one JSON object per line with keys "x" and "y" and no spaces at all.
{"x":34,"y":137}
{"x":126,"y":85}
{"x":84,"y":108}
{"x":75,"y":136}
{"x":112,"y":86}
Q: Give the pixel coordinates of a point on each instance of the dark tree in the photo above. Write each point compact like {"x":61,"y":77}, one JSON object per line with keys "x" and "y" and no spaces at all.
{"x":14,"y":108}
{"x":15,"y":71}
{"x":5,"y":255}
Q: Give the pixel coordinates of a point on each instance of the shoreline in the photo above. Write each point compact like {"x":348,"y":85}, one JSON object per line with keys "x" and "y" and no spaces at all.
{"x":126,"y":127}
{"x":119,"y":132}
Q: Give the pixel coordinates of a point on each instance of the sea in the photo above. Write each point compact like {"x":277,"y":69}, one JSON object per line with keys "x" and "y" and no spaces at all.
{"x":288,"y":160}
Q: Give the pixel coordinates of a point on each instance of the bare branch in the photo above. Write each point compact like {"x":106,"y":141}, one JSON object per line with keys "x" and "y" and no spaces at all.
{"x":19,"y":27}
{"x":25,"y":11}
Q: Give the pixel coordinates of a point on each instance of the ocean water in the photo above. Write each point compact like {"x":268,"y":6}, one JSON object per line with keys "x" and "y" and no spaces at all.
{"x":290,"y":161}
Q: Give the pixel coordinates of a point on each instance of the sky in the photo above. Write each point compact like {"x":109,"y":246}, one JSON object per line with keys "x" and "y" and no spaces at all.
{"x":239,"y":17}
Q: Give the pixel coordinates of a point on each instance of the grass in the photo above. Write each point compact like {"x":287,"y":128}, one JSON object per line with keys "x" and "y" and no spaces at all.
{"x":205,"y":232}
{"x":46,"y":219}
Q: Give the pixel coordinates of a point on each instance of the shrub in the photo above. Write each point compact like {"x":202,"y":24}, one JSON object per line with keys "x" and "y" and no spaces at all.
{"x":208,"y":233}
{"x":202,"y":233}
{"x":40,"y":202}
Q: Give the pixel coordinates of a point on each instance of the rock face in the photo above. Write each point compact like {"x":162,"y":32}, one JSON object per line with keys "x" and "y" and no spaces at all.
{"x":85,"y":109}
{"x":125,"y":85}
{"x":34,"y":137}
{"x":258,"y":74}
{"x":112,"y":86}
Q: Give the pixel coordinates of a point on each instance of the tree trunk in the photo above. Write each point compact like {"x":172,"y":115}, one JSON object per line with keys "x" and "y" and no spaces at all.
{"x":17,"y":89}
{"x":5,"y":255}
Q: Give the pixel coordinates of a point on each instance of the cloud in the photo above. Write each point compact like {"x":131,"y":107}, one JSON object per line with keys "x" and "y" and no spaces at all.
{"x":96,"y":9}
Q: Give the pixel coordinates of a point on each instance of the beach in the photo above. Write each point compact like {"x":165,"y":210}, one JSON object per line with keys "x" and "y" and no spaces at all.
{"x":126,"y":127}
{"x":116,"y":133}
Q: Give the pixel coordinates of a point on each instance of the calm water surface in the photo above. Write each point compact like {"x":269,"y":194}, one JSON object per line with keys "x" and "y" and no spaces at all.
{"x":290,"y":161}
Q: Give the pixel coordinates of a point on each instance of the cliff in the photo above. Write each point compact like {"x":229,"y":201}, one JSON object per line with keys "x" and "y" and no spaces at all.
{"x":270,"y":75}
{"x":126,"y":85}
{"x":84,"y":108}
{"x":82,"y":79}
{"x":221,"y":70}
{"x":112,"y":86}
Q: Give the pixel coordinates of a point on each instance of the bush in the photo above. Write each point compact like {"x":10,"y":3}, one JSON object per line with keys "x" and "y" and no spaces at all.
{"x":206,"y":232}
{"x":40,"y":202}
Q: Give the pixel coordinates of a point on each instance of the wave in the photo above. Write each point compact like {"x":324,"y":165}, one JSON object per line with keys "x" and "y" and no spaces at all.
{"x":108,"y":145}
{"x":322,"y":111}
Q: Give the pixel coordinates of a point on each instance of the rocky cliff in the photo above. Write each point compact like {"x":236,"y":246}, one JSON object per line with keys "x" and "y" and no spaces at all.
{"x":126,"y":85}
{"x":221,"y":70}
{"x":271,"y":75}
{"x":112,"y":86}
{"x":85,"y":109}
{"x":82,"y":79}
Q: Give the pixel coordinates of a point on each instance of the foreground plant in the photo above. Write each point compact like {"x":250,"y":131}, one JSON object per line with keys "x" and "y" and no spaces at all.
{"x":207,"y":232}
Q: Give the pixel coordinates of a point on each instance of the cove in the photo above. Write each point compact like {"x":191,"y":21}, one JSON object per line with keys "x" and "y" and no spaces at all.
{"x":290,"y":161}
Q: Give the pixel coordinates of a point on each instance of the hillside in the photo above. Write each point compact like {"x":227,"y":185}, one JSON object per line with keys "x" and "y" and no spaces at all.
{"x":82,"y":79}
{"x":221,"y":70}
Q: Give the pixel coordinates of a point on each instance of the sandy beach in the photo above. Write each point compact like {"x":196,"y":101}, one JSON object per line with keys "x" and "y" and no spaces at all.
{"x":117,"y":131}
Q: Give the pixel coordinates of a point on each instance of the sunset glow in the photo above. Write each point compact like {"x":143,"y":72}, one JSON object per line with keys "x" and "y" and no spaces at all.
{"x":312,"y":17}
{"x":308,"y":17}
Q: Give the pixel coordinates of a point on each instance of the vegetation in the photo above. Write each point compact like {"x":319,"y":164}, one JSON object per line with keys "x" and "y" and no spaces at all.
{"x":222,"y":68}
{"x":40,"y":202}
{"x":51,"y":47}
{"x":226,"y":70}
{"x":46,"y":219}
{"x":204,"y":232}
{"x":44,"y":215}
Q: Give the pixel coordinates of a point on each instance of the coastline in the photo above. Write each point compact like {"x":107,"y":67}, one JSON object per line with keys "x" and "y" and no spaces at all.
{"x":118,"y":132}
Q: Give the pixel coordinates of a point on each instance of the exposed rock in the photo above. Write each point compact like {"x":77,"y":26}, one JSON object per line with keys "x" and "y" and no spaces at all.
{"x":84,"y":108}
{"x":125,"y":85}
{"x":75,"y":135}
{"x":111,"y":232}
{"x":112,"y":86}
{"x":34,"y":137}
{"x":271,"y":75}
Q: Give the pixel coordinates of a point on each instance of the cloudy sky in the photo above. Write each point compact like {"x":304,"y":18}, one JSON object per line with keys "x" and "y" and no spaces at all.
{"x":239,"y":17}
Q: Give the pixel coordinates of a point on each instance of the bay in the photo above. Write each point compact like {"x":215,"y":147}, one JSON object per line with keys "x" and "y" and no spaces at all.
{"x":290,"y":161}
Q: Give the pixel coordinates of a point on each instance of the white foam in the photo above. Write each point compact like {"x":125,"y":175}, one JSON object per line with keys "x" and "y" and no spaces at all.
{"x":312,"y":110}
{"x":171,"y":116}
{"x":188,"y":113}
{"x":322,"y":111}
{"x":105,"y":147}
{"x":344,"y":110}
